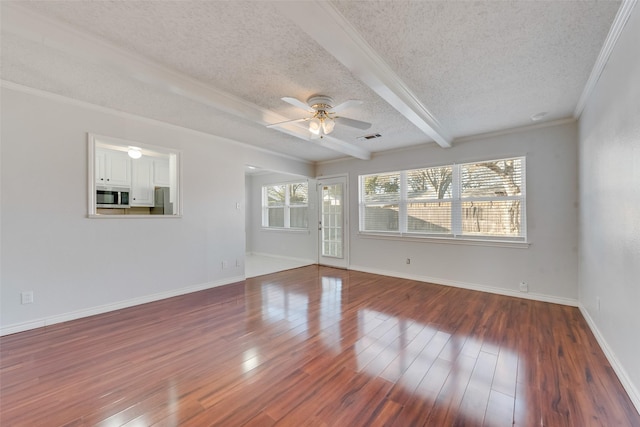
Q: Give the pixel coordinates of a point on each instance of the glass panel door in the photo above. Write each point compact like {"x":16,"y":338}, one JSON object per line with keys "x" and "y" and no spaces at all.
{"x":332,"y":222}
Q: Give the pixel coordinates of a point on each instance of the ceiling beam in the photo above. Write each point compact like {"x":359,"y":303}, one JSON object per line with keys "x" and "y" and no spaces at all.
{"x":342,"y":147}
{"x":91,"y":49}
{"x":331,"y":30}
{"x":38,"y":29}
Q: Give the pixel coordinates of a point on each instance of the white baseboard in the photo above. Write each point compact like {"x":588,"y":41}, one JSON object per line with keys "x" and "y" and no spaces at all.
{"x":471,"y":286}
{"x":78,"y":314}
{"x":301,"y":260}
{"x":628,"y":385}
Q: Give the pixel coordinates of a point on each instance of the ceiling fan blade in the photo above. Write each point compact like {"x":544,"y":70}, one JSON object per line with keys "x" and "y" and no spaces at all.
{"x":346,"y":105}
{"x":286,"y":122}
{"x":353,"y":123}
{"x":297,"y":103}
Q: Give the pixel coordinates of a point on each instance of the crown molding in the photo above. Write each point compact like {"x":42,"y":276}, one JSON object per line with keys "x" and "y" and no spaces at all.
{"x":609,"y":44}
{"x":518,"y":129}
{"x":62,"y":37}
{"x":130,"y":116}
{"x":57,"y":35}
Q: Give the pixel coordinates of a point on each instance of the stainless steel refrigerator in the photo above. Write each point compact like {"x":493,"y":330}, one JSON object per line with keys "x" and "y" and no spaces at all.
{"x":162,"y":204}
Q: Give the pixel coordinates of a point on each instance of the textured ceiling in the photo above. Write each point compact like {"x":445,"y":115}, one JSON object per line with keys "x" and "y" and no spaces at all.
{"x":476,"y":66}
{"x":482,"y":66}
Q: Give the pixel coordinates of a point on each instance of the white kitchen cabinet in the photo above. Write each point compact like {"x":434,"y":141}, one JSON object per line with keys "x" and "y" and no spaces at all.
{"x":142,"y":182}
{"x":113,"y":168}
{"x":161,"y":173}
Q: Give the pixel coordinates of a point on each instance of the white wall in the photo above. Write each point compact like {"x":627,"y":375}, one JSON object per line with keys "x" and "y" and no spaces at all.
{"x":248,"y":204}
{"x":549,"y":265}
{"x":302,"y":245}
{"x":610,"y":208}
{"x":77,"y":266}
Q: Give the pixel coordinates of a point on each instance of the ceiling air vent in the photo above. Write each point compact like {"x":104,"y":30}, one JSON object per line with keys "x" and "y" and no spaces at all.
{"x":372,"y":136}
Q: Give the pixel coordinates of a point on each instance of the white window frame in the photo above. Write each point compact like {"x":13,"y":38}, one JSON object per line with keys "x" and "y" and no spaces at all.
{"x":456,"y":208}
{"x":363,"y":205}
{"x":287,"y":206}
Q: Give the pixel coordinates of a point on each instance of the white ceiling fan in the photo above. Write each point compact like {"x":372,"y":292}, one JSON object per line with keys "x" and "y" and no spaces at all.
{"x":323,"y":115}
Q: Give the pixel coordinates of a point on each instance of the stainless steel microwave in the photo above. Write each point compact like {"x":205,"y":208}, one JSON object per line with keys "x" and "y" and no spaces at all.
{"x":112,"y":197}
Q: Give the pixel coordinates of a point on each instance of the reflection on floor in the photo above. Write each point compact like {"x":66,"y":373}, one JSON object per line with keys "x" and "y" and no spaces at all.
{"x":258,"y":265}
{"x":316,"y":346}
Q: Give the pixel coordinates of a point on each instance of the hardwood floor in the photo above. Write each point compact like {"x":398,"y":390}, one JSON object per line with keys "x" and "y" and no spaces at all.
{"x":316,"y":346}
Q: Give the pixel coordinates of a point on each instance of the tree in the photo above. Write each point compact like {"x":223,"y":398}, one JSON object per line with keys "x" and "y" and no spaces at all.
{"x":507,"y":175}
{"x":298,"y":193}
{"x":374,"y":185}
{"x":439,"y":179}
{"x":371,"y":185}
{"x":506,"y":171}
{"x":276,"y":194}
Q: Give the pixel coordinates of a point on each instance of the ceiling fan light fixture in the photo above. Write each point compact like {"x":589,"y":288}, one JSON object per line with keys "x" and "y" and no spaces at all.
{"x":323,"y":115}
{"x":315,"y":125}
{"x":328,"y":125}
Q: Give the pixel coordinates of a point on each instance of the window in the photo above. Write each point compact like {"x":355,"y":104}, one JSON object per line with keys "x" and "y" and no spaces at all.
{"x":380,"y":201}
{"x":492,"y":198}
{"x":285,"y":205}
{"x":429,"y":200}
{"x":472,"y":200}
{"x":127,"y":178}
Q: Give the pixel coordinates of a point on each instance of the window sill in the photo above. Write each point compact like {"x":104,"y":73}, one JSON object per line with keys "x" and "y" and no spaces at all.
{"x":103,"y":216}
{"x":447,"y":240}
{"x":285,"y":230}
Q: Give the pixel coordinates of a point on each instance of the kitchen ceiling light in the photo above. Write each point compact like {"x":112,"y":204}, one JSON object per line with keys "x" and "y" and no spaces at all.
{"x":134,"y":152}
{"x":539,"y":116}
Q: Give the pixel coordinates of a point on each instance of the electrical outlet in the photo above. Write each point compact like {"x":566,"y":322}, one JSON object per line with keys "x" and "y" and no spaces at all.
{"x":238,"y":263}
{"x":524,"y":287}
{"x":408,"y":260}
{"x":27,"y":297}
{"x":225,"y":264}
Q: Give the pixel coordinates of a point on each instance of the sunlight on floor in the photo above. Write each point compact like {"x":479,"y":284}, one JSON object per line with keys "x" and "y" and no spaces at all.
{"x":257,"y":265}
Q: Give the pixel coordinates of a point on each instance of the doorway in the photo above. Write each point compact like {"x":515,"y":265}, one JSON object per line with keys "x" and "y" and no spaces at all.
{"x":333,"y":241}
{"x":289,"y":243}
